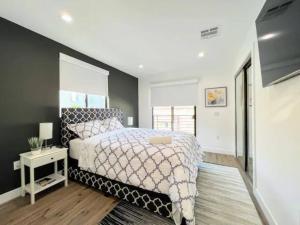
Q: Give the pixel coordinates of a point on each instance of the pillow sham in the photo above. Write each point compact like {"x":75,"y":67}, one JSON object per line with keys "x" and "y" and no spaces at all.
{"x":87,"y":129}
{"x":112,"y":124}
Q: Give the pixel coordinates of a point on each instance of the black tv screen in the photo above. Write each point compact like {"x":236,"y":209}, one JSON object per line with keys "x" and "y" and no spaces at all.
{"x":278,"y":31}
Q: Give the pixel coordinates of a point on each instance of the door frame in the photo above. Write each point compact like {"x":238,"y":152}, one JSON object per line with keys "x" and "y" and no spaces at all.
{"x":244,"y":68}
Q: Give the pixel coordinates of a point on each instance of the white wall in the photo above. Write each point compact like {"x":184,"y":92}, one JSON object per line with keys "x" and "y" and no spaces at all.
{"x":277,"y":143}
{"x":215,"y":126}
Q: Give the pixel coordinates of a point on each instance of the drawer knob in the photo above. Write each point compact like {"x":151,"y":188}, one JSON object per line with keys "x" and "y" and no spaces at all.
{"x":51,"y":158}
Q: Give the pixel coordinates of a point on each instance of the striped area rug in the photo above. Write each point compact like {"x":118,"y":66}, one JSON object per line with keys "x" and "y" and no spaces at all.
{"x":223,"y":200}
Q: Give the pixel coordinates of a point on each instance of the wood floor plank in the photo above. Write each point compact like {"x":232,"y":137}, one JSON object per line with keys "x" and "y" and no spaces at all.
{"x":62,"y":206}
{"x":78,"y":204}
{"x":15,"y":204}
{"x":29,"y":212}
{"x":57,"y":212}
{"x":93,"y":213}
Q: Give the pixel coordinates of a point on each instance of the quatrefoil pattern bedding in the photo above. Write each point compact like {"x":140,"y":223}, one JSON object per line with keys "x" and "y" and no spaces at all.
{"x":89,"y":129}
{"x":125,"y":155}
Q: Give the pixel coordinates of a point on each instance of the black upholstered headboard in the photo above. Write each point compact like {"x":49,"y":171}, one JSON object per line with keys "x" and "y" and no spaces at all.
{"x":78,"y":115}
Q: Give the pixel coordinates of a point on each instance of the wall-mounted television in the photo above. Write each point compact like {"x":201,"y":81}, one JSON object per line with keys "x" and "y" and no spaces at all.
{"x":278,"y":31}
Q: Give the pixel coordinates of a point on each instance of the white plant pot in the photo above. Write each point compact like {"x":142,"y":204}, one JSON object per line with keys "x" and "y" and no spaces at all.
{"x":36,"y":151}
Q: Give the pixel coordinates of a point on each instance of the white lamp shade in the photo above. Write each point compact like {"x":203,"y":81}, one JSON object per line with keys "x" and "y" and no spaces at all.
{"x":46,"y":131}
{"x":129,"y":121}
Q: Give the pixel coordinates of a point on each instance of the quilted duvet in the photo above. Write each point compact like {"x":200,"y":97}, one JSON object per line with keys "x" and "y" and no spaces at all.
{"x":125,"y":155}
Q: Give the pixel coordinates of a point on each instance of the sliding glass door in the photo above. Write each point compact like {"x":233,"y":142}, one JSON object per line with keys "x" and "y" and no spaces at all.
{"x":240,"y":118}
{"x":250,"y":148}
{"x":243,"y":110}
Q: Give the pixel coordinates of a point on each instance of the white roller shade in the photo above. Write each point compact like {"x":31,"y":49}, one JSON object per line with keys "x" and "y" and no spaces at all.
{"x":79,"y":76}
{"x":175,"y":94}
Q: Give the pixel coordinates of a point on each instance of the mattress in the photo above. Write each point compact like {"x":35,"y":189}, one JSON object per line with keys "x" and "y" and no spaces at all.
{"x":75,"y":147}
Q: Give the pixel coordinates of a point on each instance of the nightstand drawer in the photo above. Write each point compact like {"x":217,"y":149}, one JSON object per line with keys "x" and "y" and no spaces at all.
{"x":43,"y":160}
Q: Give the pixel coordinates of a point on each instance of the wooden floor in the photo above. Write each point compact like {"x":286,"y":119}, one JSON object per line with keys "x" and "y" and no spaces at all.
{"x":229,"y":160}
{"x":74,"y":205}
{"x":220,"y":159}
{"x":80,"y":205}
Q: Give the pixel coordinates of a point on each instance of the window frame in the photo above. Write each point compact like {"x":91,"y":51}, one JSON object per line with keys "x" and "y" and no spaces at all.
{"x":172,"y":118}
{"x":85,"y":100}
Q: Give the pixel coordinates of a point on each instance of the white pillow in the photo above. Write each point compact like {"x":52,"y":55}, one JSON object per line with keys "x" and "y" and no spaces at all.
{"x":87,"y":129}
{"x":112,"y":124}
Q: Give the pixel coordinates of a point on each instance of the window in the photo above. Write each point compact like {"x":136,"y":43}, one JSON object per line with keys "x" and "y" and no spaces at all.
{"x":162,"y":118}
{"x":70,"y":99}
{"x":96,"y":101}
{"x":184,"y":119}
{"x":82,"y":85}
{"x":175,"y":118}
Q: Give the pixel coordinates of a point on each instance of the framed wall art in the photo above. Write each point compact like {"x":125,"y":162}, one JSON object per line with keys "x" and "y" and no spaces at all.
{"x":216,"y":97}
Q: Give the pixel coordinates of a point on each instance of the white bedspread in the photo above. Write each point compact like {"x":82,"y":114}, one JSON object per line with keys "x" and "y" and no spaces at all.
{"x":125,"y":155}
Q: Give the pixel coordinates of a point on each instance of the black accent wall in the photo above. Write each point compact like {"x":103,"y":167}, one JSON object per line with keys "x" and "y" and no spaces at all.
{"x":29,"y":92}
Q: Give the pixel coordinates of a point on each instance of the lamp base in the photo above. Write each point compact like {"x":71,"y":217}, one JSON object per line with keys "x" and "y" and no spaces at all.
{"x":46,"y":147}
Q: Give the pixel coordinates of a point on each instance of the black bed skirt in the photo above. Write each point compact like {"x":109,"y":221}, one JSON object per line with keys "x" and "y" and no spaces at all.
{"x":152,"y":201}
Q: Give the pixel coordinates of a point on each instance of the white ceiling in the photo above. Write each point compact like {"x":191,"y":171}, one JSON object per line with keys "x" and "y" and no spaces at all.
{"x":163,"y":35}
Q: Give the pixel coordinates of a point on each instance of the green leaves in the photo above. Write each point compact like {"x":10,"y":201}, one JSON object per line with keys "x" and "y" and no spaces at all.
{"x":35,"y":142}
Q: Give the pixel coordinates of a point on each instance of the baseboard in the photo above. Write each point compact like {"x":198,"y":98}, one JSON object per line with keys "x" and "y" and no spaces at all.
{"x":267,"y":212}
{"x":5,"y":197}
{"x":217,"y":150}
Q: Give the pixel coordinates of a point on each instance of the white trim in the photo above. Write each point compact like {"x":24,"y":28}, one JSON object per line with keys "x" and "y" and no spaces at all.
{"x":267,"y":212}
{"x":172,"y":83}
{"x":10,"y":195}
{"x":254,"y":80}
{"x":244,"y":62}
{"x":80,"y":63}
{"x":218,"y":150}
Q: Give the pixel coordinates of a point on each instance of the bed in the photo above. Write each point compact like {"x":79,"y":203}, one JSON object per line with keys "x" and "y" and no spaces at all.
{"x":121,"y":162}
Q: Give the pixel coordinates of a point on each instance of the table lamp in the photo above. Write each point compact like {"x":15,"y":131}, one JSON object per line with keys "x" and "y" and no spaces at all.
{"x":46,"y":130}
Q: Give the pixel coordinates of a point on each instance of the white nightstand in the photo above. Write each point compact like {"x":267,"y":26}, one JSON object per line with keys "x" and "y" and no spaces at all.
{"x":33,"y":161}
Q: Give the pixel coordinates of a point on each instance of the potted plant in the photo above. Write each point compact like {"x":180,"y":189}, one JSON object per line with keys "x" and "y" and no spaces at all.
{"x":35,"y":145}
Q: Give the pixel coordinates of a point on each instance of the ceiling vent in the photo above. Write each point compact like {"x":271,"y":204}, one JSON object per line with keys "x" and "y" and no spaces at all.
{"x":209,"y":33}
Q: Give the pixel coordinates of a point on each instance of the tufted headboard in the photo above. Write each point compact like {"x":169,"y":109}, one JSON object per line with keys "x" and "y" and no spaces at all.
{"x":78,"y":115}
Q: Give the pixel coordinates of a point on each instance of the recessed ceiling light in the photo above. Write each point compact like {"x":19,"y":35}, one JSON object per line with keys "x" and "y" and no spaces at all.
{"x":141,"y":66}
{"x":66,"y":17}
{"x":201,"y":54}
{"x":268,"y":36}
